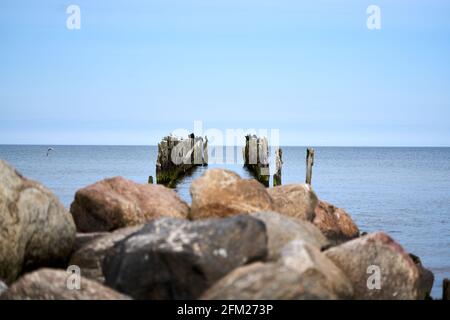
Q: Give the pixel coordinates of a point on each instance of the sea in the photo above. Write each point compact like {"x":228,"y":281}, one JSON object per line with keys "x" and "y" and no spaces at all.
{"x":402,"y":191}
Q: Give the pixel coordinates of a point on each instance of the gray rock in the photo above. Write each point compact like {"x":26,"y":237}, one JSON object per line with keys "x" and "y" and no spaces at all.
{"x":282,"y":229}
{"x":302,"y":272}
{"x":361,"y":259}
{"x":81,"y":239}
{"x":51,"y":284}
{"x":270,"y":281}
{"x":90,"y":257}
{"x":35,"y":228}
{"x":302,"y":257}
{"x":177,"y":259}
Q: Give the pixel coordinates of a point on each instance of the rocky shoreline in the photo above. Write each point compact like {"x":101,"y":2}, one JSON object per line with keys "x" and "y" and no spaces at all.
{"x":236,"y":240}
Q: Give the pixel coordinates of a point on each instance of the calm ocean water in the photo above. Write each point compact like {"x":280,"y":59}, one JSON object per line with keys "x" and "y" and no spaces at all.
{"x":402,"y":191}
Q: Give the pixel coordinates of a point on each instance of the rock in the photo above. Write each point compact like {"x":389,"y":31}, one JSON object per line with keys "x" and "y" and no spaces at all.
{"x":178,"y":259}
{"x":51,"y":284}
{"x":364,"y":258}
{"x":117,"y":203}
{"x":270,"y":281}
{"x":302,"y":272}
{"x":222,"y":193}
{"x":294,"y":200}
{"x":334,"y":223}
{"x":89,"y":258}
{"x":3,"y":287}
{"x":446,"y":289}
{"x":426,"y":278}
{"x":282,"y":229}
{"x":81,"y":239}
{"x":35,"y":228}
{"x":302,"y":257}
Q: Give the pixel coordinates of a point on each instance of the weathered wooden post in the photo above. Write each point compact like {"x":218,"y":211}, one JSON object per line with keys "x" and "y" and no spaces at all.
{"x":309,"y":164}
{"x":150,"y":179}
{"x":256,"y":158}
{"x":278,"y":165}
{"x":205,"y":152}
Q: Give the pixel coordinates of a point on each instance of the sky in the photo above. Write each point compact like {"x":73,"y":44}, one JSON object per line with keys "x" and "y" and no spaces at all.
{"x":137,"y":70}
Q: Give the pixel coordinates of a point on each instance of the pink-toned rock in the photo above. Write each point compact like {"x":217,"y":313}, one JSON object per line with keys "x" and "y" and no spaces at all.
{"x":116,"y":203}
{"x":334,"y":223}
{"x":222,"y":193}
{"x":294,"y":200}
{"x":378,"y":267}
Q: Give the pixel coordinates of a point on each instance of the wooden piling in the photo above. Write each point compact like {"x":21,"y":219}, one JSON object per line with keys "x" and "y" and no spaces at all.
{"x":309,"y":164}
{"x":278,"y":166}
{"x":205,"y":152}
{"x":256,"y":158}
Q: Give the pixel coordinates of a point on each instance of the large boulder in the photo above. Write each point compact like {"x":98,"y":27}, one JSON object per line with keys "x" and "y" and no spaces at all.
{"x":302,"y":272}
{"x":378,"y":267}
{"x":334,"y":223}
{"x":89,"y":258}
{"x":52,"y":284}
{"x":178,"y":259}
{"x":294,"y":200}
{"x":117,"y":203}
{"x":222,"y":193}
{"x":35,"y":228}
{"x":270,"y":281}
{"x":303,"y":257}
{"x":282,"y":229}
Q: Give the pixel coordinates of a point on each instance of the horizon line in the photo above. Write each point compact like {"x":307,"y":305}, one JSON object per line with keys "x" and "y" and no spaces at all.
{"x":283,"y":146}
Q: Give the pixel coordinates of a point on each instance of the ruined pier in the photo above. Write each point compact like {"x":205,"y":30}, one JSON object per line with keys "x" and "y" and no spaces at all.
{"x":177,"y":156}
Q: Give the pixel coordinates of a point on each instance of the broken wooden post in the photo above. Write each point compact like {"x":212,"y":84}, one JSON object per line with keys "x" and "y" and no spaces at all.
{"x":205,"y":152}
{"x":309,"y":164}
{"x":176,"y":156}
{"x":256,"y":158}
{"x":278,"y":165}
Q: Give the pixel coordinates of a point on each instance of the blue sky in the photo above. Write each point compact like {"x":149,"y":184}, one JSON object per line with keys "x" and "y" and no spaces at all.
{"x":137,"y":70}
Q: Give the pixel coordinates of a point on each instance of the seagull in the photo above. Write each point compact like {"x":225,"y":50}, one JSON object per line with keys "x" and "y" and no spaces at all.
{"x":48,"y":151}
